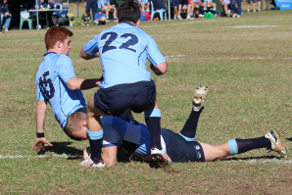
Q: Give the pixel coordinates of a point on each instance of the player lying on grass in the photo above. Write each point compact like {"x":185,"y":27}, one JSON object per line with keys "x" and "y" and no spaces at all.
{"x":123,"y":50}
{"x":122,"y":133}
{"x":57,"y":84}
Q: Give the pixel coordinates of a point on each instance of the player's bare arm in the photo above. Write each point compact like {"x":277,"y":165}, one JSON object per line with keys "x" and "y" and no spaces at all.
{"x":85,"y":56}
{"x":76,"y":83}
{"x":159,"y":69}
{"x":40,"y":115}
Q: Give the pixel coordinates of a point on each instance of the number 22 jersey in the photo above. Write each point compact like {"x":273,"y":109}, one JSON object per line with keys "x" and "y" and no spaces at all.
{"x":123,"y":51}
{"x":51,"y":78}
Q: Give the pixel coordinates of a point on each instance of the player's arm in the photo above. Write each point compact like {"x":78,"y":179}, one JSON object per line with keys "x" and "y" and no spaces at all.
{"x":159,"y":69}
{"x":90,"y":49}
{"x":40,"y":115}
{"x":77,"y":83}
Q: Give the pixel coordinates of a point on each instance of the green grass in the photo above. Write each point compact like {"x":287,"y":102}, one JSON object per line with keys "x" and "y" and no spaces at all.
{"x":248,"y":71}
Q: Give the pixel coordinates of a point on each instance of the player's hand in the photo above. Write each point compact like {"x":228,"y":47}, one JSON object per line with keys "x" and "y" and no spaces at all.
{"x":40,"y":144}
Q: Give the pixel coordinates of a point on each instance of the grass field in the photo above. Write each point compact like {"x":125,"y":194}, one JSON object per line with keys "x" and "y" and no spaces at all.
{"x":245,"y":62}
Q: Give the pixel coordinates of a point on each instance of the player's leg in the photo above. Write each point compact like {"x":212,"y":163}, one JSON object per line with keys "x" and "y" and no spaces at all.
{"x":248,"y":5}
{"x":115,"y":13}
{"x":179,"y":11}
{"x":188,"y":132}
{"x":95,"y":134}
{"x":254,"y":4}
{"x":259,"y":2}
{"x":271,"y":141}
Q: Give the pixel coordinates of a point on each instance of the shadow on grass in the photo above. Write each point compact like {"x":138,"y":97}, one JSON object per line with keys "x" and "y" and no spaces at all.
{"x":251,"y":158}
{"x":289,"y":139}
{"x":63,"y":148}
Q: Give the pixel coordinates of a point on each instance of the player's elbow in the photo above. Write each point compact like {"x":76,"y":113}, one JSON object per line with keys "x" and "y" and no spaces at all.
{"x":161,"y":69}
{"x":73,"y":84}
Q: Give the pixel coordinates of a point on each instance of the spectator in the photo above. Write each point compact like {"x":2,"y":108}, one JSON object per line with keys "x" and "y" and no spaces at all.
{"x":107,"y":7}
{"x":207,"y":4}
{"x":99,"y":17}
{"x":144,"y":5}
{"x":41,"y":4}
{"x":226,"y":5}
{"x":183,"y":5}
{"x":86,"y":19}
{"x":194,"y":6}
{"x":5,"y":16}
{"x":93,"y":5}
{"x":236,"y":10}
{"x":175,"y":4}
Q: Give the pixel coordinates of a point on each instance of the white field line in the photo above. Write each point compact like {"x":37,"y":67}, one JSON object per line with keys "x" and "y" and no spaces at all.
{"x":175,"y":56}
{"x":39,"y":156}
{"x":253,"y":26}
{"x":274,"y":160}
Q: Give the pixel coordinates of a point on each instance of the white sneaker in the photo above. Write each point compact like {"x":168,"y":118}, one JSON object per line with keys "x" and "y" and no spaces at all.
{"x":238,"y":16}
{"x":234,"y":15}
{"x":276,"y":144}
{"x":179,"y":17}
{"x":189,"y":18}
{"x":5,"y":29}
{"x":200,"y":96}
{"x":201,"y":15}
{"x":88,"y":162}
{"x":247,"y":10}
{"x":254,"y":11}
{"x":160,"y":157}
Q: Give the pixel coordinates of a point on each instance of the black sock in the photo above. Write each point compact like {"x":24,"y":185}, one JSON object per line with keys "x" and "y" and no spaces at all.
{"x":95,"y":146}
{"x":190,"y":127}
{"x":153,"y":124}
{"x":245,"y":145}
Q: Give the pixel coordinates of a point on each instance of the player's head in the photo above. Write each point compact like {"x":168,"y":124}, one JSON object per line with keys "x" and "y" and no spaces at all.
{"x":87,"y":13}
{"x":76,"y":125}
{"x":58,"y":38}
{"x":99,"y":10}
{"x":129,"y":12}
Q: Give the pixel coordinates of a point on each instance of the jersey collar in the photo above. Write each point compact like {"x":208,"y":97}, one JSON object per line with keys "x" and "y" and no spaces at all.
{"x":127,"y":23}
{"x":49,"y":53}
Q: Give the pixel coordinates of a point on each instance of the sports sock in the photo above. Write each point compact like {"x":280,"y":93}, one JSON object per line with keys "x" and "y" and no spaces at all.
{"x":147,"y":10}
{"x":189,"y":130}
{"x":152,"y":118}
{"x":191,"y":15}
{"x":238,"y":146}
{"x":115,"y":18}
{"x":107,"y":18}
{"x":95,"y":138}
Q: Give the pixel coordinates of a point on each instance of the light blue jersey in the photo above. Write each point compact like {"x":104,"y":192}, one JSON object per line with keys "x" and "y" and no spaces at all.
{"x":99,"y":2}
{"x":123,"y":51}
{"x":51,"y":79}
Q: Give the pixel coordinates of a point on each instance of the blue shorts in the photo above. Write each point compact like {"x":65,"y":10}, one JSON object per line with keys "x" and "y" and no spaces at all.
{"x":249,"y":1}
{"x":174,"y":3}
{"x":184,"y":2}
{"x":116,"y":99}
{"x":180,"y":150}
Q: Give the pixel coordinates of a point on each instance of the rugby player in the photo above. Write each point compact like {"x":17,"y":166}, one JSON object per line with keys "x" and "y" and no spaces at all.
{"x":123,"y":50}
{"x":57,"y":84}
{"x":122,"y":133}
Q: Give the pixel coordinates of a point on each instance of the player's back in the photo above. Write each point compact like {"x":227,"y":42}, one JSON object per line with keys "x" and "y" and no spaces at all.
{"x":123,"y":51}
{"x":51,"y":78}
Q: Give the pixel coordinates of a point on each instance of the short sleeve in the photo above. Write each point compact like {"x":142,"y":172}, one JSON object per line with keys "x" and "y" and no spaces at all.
{"x":39,"y":94}
{"x":91,"y":47}
{"x":154,"y":55}
{"x":64,"y":68}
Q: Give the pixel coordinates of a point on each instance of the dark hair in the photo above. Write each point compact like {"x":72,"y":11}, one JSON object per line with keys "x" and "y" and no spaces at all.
{"x":54,"y":34}
{"x":88,"y":12}
{"x":129,"y":12}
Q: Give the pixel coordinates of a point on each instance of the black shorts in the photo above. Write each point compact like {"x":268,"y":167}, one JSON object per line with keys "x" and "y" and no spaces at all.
{"x":184,"y":2}
{"x":116,"y":99}
{"x":180,"y":150}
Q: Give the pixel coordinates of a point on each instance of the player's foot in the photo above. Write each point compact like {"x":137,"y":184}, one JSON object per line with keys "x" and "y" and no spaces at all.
{"x":238,"y":16}
{"x":88,"y":162}
{"x":189,"y":18}
{"x":200,"y":96}
{"x":179,"y":17}
{"x":276,"y":144}
{"x":247,"y":10}
{"x":234,"y":15}
{"x":160,"y":157}
{"x":5,"y":29}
